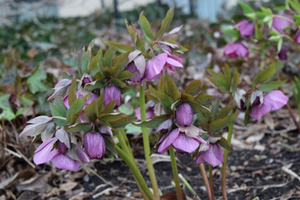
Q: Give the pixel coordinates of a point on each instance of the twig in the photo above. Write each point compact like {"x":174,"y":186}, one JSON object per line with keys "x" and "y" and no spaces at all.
{"x":258,"y":187}
{"x":104,"y":191}
{"x":95,"y":173}
{"x":290,"y":172}
{"x":293,"y":117}
{"x":26,"y":159}
{"x":12,"y":152}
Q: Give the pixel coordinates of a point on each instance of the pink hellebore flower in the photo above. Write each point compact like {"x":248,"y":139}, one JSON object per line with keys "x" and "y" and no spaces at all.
{"x":213,"y":155}
{"x":183,"y":139}
{"x":297,"y":36}
{"x":172,"y":62}
{"x":184,"y":114}
{"x":46,"y":152}
{"x":271,"y":101}
{"x":149,"y":113}
{"x":246,"y":28}
{"x":279,"y":23}
{"x":136,"y":63}
{"x":235,"y":50}
{"x":111,"y":93}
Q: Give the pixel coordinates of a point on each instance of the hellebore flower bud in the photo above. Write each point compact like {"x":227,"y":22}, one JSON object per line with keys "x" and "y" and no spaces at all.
{"x":238,"y":98}
{"x":111,"y":93}
{"x":235,"y":50}
{"x":282,"y":55}
{"x":136,"y":63}
{"x":213,"y":155}
{"x":94,"y":145}
{"x":297,"y":36}
{"x":184,"y":114}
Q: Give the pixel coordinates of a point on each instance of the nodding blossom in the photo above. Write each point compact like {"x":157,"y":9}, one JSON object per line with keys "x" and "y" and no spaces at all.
{"x":262,"y":104}
{"x":235,"y":50}
{"x":282,"y":55}
{"x":246,"y":28}
{"x":184,"y":114}
{"x":280,"y":23}
{"x":136,"y":63}
{"x":111,"y":93}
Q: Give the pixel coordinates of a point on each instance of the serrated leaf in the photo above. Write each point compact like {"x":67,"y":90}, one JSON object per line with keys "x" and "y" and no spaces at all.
{"x":267,"y":87}
{"x":108,"y":57}
{"x":122,"y":48}
{"x":144,"y":24}
{"x":56,"y":111}
{"x":194,"y":87}
{"x":94,"y":65}
{"x":165,"y":23}
{"x":34,"y":81}
{"x":124,"y":75}
{"x":152,"y":123}
{"x":85,"y":62}
{"x":203,"y":98}
{"x":100,"y":104}
{"x":90,"y":113}
{"x":222,"y":123}
{"x":118,"y":83}
{"x":75,"y":110}
{"x":121,"y":60}
{"x":97,"y":84}
{"x":214,"y":109}
{"x":218,"y":80}
{"x":110,"y":106}
{"x":121,"y":123}
{"x":198,"y":107}
{"x":227,"y":74}
{"x":130,"y":30}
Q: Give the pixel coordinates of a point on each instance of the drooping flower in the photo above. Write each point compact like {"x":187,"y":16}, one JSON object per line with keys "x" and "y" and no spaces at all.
{"x":111,"y":93}
{"x":136,"y":63}
{"x":43,"y":153}
{"x":94,"y":143}
{"x":297,"y":36}
{"x":155,"y":66}
{"x":279,"y":23}
{"x":235,"y":50}
{"x":149,"y":113}
{"x":184,"y":114}
{"x":271,"y":101}
{"x":172,"y":62}
{"x":239,"y":98}
{"x":246,"y":28}
{"x":213,"y":155}
{"x":183,"y":139}
{"x":282,"y":55}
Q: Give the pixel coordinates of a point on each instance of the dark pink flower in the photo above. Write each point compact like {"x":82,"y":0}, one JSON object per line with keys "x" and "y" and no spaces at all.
{"x":269,"y":102}
{"x":94,"y":145}
{"x":173,"y":61}
{"x":149,"y":113}
{"x":282,"y":55}
{"x":184,"y":114}
{"x":213,"y":155}
{"x":280,"y":23}
{"x":155,"y":66}
{"x":235,"y":50}
{"x":136,"y":63}
{"x":246,"y":28}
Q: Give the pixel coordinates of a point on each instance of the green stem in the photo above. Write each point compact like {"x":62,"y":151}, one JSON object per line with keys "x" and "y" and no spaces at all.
{"x":147,"y":143}
{"x":175,"y":174}
{"x":57,"y":117}
{"x":206,"y":183}
{"x":211,"y":181}
{"x":136,"y":173}
{"x":122,"y":140}
{"x":225,"y":163}
{"x":189,"y":187}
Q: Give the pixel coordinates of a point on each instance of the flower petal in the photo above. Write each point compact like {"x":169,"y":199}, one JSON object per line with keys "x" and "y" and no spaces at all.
{"x":167,"y":141}
{"x":185,"y":143}
{"x":63,"y":161}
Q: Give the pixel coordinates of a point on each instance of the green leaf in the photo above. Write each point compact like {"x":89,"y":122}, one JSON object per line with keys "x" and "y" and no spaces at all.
{"x":75,"y":110}
{"x":295,"y":5}
{"x":4,"y":101}
{"x":7,"y":114}
{"x":225,"y":144}
{"x":224,"y":112}
{"x":90,"y":113}
{"x":121,"y":123}
{"x":198,"y":107}
{"x":72,"y":92}
{"x":194,"y":87}
{"x":78,"y":127}
{"x":94,"y":65}
{"x":57,"y":111}
{"x":118,"y":83}
{"x":131,"y":31}
{"x":279,"y":45}
{"x":227,"y":74}
{"x":108,"y":117}
{"x":164,"y":99}
{"x":222,"y":123}
{"x":79,"y":60}
{"x":152,"y":123}
{"x":108,"y":56}
{"x":267,"y":87}
{"x":34,"y":81}
{"x":165,"y":23}
{"x":248,"y":12}
{"x":144,"y":24}
{"x":203,"y":119}
{"x":231,"y":32}
{"x":124,"y":75}
{"x":172,"y":88}
{"x":265,"y":75}
{"x":218,"y":80}
{"x":122,"y":48}
{"x":121,"y":60}
{"x":110,"y":145}
{"x":98,"y":84}
{"x":100,"y":104}
{"x":214,"y":109}
{"x":235,"y":79}
{"x":110,"y":106}
{"x":203,"y":98}
{"x":85,"y":62}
